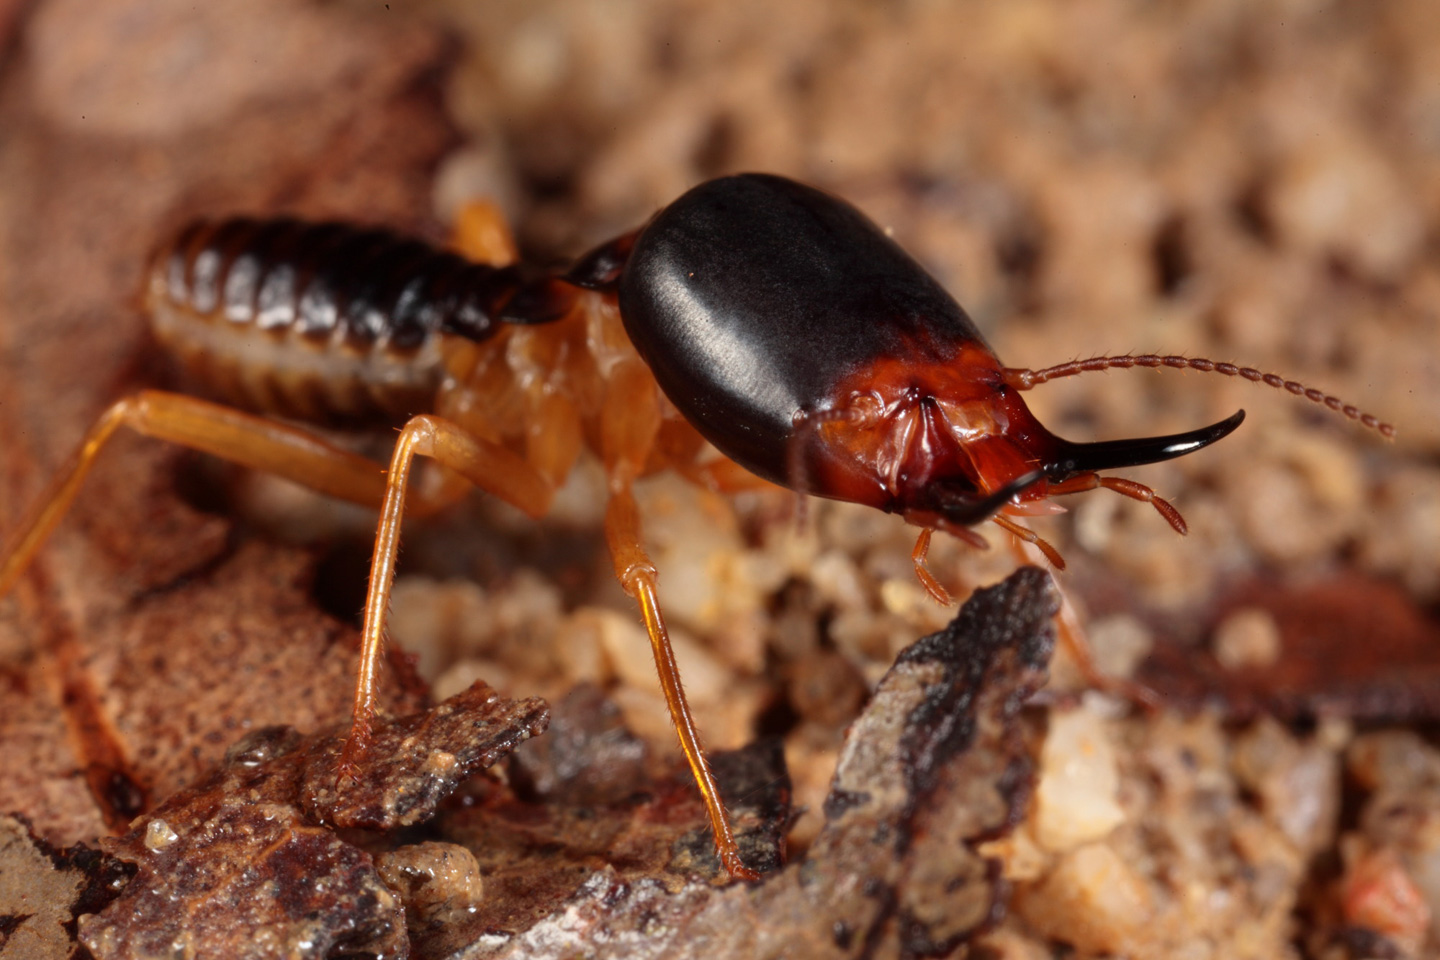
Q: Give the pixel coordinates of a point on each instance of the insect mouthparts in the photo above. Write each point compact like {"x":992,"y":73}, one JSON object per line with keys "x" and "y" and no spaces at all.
{"x":1110,"y":454}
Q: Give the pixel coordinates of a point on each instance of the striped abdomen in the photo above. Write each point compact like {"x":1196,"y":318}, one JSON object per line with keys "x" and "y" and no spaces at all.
{"x":324,"y":321}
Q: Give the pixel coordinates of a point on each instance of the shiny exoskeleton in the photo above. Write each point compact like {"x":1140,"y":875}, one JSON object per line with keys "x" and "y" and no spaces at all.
{"x":769,"y":318}
{"x":326,"y":321}
{"x":809,"y":347}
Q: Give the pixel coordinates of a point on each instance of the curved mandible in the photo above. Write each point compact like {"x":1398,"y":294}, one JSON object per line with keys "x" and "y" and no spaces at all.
{"x":1109,"y":454}
{"x":967,"y":512}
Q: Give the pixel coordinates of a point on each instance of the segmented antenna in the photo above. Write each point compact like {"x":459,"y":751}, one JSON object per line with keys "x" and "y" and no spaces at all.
{"x":1022,"y":379}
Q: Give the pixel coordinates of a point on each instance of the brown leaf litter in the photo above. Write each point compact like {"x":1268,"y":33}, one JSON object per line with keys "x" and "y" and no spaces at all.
{"x":261,"y":858}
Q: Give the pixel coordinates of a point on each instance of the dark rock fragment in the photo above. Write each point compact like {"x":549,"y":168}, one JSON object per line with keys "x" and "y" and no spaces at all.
{"x":240,"y":866}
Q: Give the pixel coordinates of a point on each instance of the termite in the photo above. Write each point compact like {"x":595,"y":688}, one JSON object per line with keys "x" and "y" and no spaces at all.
{"x":766,"y":317}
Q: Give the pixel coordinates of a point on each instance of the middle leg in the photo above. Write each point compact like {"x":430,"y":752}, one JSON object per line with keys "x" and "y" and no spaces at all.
{"x":637,"y":575}
{"x":630,"y":421}
{"x":488,"y":466}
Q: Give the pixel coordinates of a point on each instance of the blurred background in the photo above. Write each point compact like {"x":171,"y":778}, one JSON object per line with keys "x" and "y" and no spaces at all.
{"x":1248,"y":182}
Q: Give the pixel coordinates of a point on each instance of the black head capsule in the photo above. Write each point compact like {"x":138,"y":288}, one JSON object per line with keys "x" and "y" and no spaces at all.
{"x":809,"y":347}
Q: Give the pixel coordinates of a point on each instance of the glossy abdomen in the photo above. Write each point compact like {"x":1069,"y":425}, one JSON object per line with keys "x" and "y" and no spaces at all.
{"x":321,"y":321}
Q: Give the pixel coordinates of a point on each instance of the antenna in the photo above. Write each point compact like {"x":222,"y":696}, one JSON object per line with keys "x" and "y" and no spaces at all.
{"x":1022,"y":379}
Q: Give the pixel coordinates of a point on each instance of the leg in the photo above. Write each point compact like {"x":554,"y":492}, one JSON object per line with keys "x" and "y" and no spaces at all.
{"x":806,"y":425}
{"x":1072,"y":637}
{"x":724,"y":475}
{"x":630,"y":421}
{"x":1127,"y":488}
{"x":553,"y":441}
{"x":637,"y":575}
{"x":488,"y":466}
{"x":553,"y":435}
{"x":1030,"y":536}
{"x":211,"y":428}
{"x":927,"y":580}
{"x":482,"y":235}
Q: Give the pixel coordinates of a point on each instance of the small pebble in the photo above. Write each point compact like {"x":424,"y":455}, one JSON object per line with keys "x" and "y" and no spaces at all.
{"x":1247,"y":639}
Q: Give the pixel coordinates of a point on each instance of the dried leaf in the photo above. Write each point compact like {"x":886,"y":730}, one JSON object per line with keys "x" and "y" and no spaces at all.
{"x":43,"y":890}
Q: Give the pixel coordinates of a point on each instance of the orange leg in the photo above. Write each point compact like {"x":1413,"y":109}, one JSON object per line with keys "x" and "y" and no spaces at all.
{"x":724,"y":475}
{"x":1030,"y":536}
{"x":1127,"y":488}
{"x":630,"y":422}
{"x":488,"y":466}
{"x":927,"y":580}
{"x":637,"y":575}
{"x":211,"y":428}
{"x":1072,"y":637}
{"x":308,"y":460}
{"x":482,"y":235}
{"x":807,"y":424}
{"x":553,"y":437}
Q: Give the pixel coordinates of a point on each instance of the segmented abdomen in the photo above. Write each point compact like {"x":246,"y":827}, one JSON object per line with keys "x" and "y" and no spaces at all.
{"x":323,"y":321}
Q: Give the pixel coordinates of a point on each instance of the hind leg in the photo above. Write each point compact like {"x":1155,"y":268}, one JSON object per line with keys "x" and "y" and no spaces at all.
{"x":308,"y":460}
{"x":208,"y":427}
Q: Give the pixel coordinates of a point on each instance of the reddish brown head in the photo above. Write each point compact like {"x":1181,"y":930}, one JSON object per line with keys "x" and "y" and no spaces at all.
{"x":947,"y":445}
